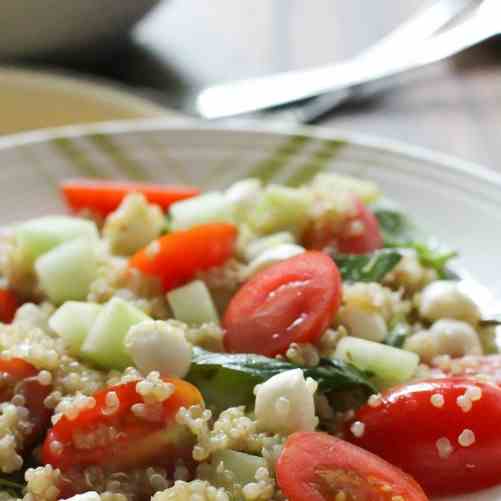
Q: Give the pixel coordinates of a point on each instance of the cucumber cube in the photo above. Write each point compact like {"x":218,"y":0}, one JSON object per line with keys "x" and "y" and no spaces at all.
{"x":390,"y":365}
{"x":243,"y":466}
{"x":193,"y":304}
{"x":104,"y":345}
{"x":328,"y":182}
{"x":281,"y":209}
{"x":210,"y":207}
{"x":73,"y":322}
{"x":38,"y":236}
{"x":66,"y":272}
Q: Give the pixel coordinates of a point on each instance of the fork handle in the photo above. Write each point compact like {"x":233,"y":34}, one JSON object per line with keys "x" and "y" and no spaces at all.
{"x":351,"y":78}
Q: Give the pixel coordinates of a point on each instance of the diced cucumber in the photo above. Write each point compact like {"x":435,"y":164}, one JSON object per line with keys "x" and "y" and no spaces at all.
{"x":272,"y":256}
{"x":104,"y":345}
{"x":193,"y":304}
{"x":243,"y":466}
{"x":367,"y":191}
{"x":66,"y":272}
{"x":281,"y":209}
{"x":207,"y":208}
{"x":260,"y":245}
{"x":38,"y":236}
{"x":390,"y":365}
{"x":73,"y":322}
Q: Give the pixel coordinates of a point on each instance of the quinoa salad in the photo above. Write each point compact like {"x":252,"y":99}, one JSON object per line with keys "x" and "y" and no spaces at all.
{"x":257,"y":343}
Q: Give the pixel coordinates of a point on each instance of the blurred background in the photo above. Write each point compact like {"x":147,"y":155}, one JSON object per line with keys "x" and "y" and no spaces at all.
{"x":157,"y":54}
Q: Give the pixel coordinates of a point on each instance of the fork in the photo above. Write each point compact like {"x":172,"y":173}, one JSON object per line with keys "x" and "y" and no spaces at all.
{"x":360,"y":75}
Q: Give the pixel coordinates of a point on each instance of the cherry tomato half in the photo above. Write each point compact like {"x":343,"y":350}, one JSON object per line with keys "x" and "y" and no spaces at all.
{"x":449,"y":446}
{"x":291,"y":301}
{"x":358,"y":234}
{"x":104,"y":196}
{"x":18,"y":377}
{"x":119,"y":439}
{"x":318,"y":467}
{"x":8,"y":305}
{"x":180,"y":255}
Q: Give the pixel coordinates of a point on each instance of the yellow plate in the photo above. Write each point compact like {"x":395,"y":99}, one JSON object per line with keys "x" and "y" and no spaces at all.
{"x":36,"y":99}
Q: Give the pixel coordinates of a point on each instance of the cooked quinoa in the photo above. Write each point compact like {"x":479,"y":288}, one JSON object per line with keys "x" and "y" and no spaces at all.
{"x":107,"y":343}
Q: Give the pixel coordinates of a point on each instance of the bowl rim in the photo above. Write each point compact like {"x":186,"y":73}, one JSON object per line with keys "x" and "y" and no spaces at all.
{"x":183,"y":123}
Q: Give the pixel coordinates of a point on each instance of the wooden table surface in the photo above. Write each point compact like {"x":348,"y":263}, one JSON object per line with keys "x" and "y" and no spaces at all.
{"x":452,"y":107}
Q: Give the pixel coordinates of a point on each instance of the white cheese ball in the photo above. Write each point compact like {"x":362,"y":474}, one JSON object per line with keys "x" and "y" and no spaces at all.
{"x":243,"y":194}
{"x":133,"y":225}
{"x":444,"y":299}
{"x":272,"y":256}
{"x":364,"y":324}
{"x":157,"y":345}
{"x":446,"y":337}
{"x":285,"y":403}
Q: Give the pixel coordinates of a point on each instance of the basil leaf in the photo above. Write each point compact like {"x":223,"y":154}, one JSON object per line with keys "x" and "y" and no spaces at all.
{"x":13,"y":487}
{"x":400,"y":232}
{"x":367,"y":267}
{"x":397,"y":335}
{"x":335,"y":375}
{"x":227,"y":379}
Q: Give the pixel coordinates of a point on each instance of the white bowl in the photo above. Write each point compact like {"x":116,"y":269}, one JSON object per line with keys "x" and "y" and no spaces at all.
{"x":457,"y":202}
{"x":33,"y":28}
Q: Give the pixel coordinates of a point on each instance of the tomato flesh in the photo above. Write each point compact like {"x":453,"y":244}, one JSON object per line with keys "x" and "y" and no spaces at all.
{"x":291,"y":301}
{"x":358,"y":234}
{"x":104,"y":196}
{"x":180,"y":255}
{"x":121,"y":440}
{"x":447,"y":449}
{"x":20,"y":378}
{"x":8,"y":306}
{"x":315,"y":466}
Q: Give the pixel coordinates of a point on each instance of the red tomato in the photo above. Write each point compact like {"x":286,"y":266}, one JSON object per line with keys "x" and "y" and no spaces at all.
{"x":291,"y":301}
{"x":104,"y":196}
{"x":359,"y":234}
{"x":318,"y":467}
{"x":8,"y":305}
{"x":448,"y":449}
{"x":20,"y":378}
{"x":120,"y":440}
{"x":180,"y":255}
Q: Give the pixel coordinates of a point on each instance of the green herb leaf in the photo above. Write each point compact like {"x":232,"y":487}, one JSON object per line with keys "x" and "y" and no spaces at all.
{"x":397,"y":335}
{"x":226,"y":379}
{"x":335,"y":375}
{"x":13,"y":487}
{"x":368,"y":267}
{"x":399,"y":232}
